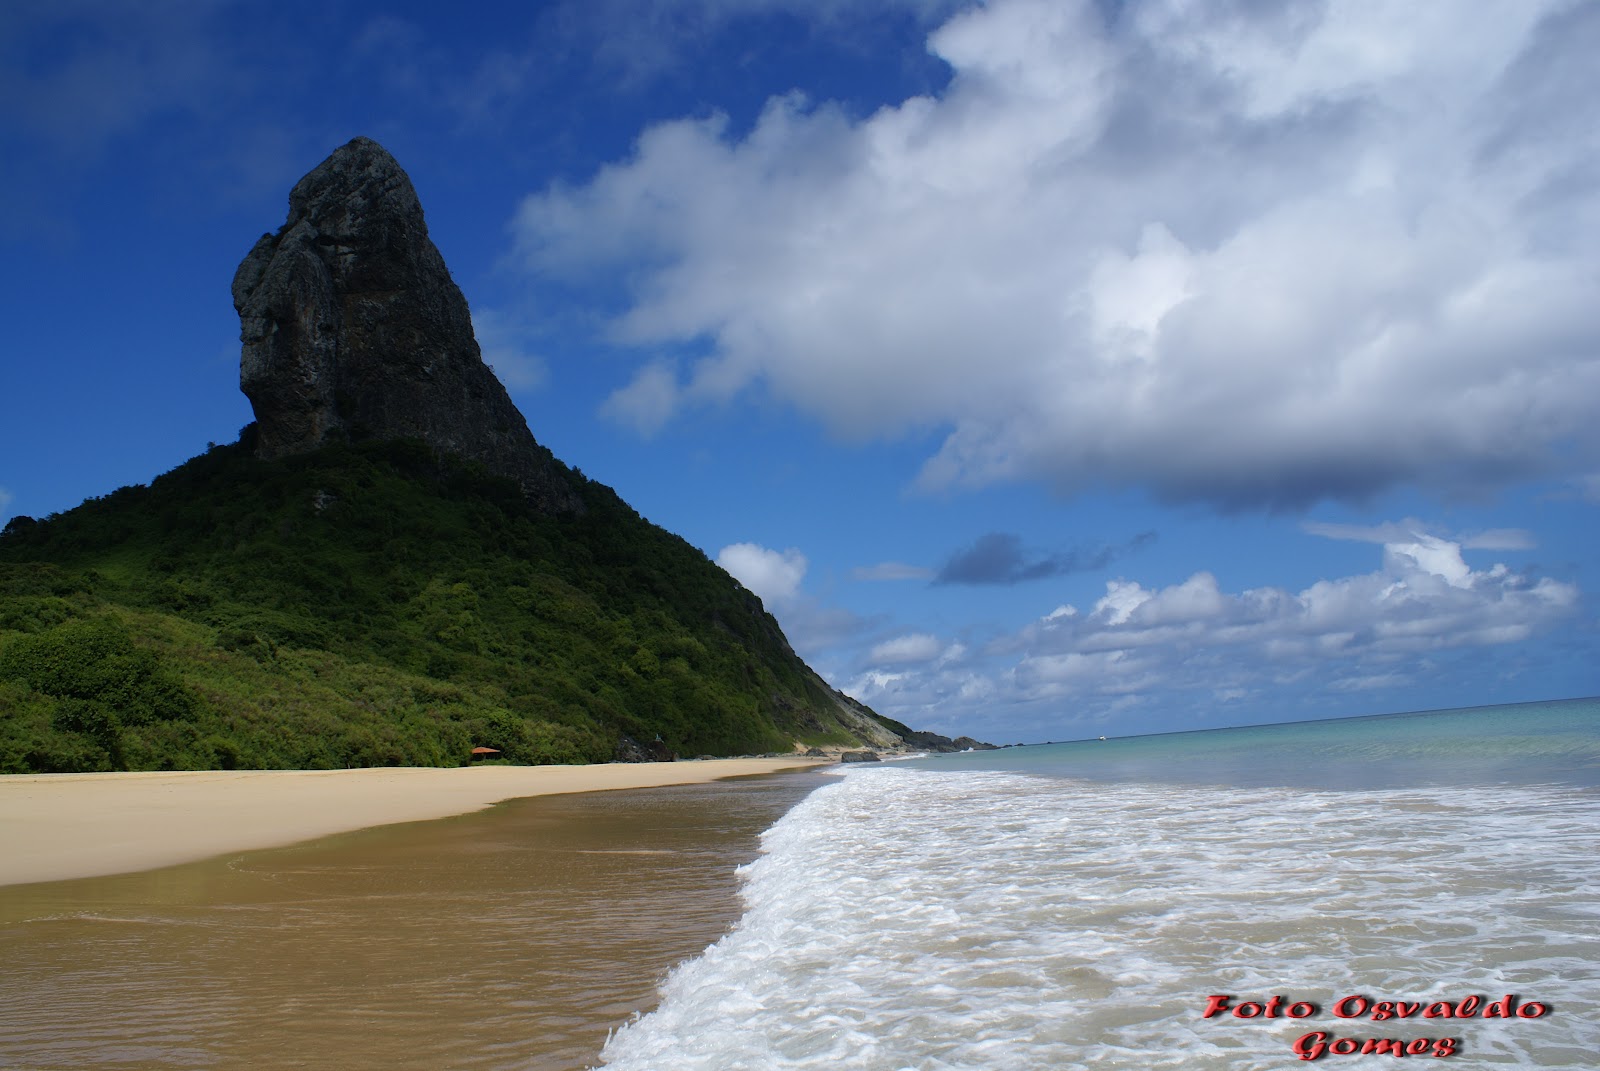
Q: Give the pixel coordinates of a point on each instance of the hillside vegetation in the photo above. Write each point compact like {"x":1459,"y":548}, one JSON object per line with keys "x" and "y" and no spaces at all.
{"x":376,"y":604}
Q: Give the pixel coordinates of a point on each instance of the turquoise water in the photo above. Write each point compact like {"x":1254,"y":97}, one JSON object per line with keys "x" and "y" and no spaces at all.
{"x":1528,"y":743}
{"x":1077,"y":905}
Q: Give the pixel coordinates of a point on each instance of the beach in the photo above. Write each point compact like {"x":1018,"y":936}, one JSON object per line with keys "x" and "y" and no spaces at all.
{"x":55,"y":827}
{"x":513,"y":936}
{"x":1066,"y":905}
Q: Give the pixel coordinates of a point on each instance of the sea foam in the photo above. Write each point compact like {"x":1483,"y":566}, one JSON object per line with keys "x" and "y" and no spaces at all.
{"x":903,"y":918}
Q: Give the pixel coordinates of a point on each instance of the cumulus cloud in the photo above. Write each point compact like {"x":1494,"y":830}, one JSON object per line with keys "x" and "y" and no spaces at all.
{"x":1424,"y":598}
{"x":1357,"y":633}
{"x":946,"y":698}
{"x":1244,"y":254}
{"x":774,"y":575}
{"x":914,"y":647}
{"x":815,"y":629}
{"x":999,"y":558}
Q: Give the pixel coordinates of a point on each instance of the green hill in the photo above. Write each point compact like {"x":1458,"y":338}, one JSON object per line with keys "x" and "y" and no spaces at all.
{"x":378,"y":604}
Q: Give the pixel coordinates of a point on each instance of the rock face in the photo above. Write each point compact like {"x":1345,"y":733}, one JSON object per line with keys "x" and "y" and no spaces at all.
{"x":935,"y":742}
{"x":630,"y":750}
{"x":353,"y":329}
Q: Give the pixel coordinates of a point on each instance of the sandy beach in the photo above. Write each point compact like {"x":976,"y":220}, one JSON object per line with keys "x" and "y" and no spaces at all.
{"x":55,"y":827}
{"x":514,"y":936}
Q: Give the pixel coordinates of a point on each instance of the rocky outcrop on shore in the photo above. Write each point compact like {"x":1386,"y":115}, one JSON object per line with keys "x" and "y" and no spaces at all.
{"x":353,"y":329}
{"x":934,"y":742}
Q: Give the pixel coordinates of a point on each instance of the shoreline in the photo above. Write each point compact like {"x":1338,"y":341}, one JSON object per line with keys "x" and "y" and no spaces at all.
{"x":523,"y":934}
{"x":58,"y":827}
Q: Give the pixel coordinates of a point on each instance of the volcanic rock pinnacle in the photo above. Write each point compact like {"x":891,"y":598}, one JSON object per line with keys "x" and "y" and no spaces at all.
{"x":353,"y":329}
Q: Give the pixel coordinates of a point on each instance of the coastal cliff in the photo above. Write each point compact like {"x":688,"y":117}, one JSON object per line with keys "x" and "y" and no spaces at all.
{"x":353,"y":329}
{"x":386,"y":568}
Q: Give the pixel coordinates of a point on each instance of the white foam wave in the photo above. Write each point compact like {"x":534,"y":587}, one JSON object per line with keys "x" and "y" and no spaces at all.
{"x":907,"y":919}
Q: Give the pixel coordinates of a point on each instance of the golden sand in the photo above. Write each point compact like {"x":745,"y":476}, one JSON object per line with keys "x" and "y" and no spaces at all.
{"x":54,"y":827}
{"x":517,"y":936}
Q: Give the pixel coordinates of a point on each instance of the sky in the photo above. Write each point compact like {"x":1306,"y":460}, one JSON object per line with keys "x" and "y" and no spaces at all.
{"x":1050,"y":368}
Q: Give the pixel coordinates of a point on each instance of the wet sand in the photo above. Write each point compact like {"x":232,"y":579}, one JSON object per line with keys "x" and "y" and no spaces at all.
{"x":515,"y":937}
{"x":55,"y":827}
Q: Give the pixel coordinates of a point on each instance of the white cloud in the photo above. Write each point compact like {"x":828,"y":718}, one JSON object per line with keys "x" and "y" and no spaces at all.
{"x":914,"y":647}
{"x":647,"y":403}
{"x":507,"y":350}
{"x":943,"y":701}
{"x":891,"y":571}
{"x":1500,"y":539}
{"x":1122,"y":598}
{"x":1430,"y":555}
{"x":1390,"y":532}
{"x":1424,"y":598}
{"x":1411,"y":530}
{"x":773,"y":575}
{"x":816,"y":630}
{"x":5,"y":499}
{"x":1247,"y":255}
{"x":1356,"y":633}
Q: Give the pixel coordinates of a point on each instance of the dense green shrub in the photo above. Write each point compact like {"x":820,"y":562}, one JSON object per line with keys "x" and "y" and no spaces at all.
{"x":375,"y":604}
{"x":103,"y":680}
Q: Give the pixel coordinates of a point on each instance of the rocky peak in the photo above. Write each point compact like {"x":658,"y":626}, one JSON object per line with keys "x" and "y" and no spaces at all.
{"x":352,"y":328}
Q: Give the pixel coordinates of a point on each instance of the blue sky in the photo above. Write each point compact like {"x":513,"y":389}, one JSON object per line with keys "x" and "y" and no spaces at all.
{"x":1050,"y":369}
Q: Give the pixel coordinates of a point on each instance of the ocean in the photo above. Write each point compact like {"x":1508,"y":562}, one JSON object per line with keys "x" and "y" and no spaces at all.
{"x":1341,"y":893}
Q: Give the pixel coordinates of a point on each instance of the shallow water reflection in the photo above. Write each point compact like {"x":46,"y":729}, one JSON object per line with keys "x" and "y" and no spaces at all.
{"x":512,"y":938}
